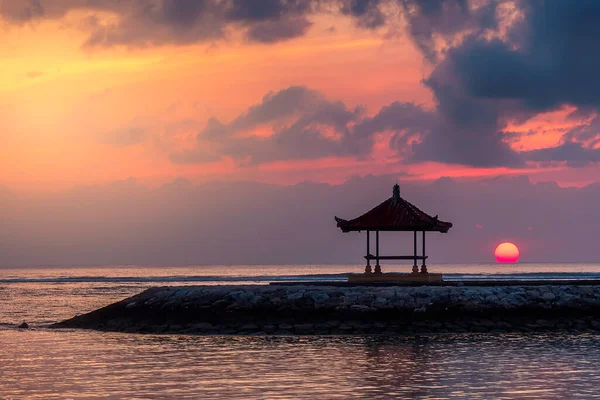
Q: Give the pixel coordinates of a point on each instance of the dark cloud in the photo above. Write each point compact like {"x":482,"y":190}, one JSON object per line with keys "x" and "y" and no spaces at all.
{"x":487,"y":70}
{"x":483,"y":79}
{"x":21,"y":11}
{"x":575,"y":154}
{"x":586,"y":132}
{"x":146,"y":22}
{"x":263,"y":10}
{"x":305,"y":126}
{"x":430,"y":18}
{"x":420,"y":135}
{"x":367,"y":13}
{"x":278,"y":30}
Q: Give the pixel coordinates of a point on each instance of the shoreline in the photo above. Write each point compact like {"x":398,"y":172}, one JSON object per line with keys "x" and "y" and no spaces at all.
{"x":330,"y":309}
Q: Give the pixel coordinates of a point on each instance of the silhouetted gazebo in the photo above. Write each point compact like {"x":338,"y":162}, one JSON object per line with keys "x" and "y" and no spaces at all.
{"x":397,"y":215}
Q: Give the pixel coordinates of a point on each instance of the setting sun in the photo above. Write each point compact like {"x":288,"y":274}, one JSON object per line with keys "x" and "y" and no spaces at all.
{"x":507,"y":253}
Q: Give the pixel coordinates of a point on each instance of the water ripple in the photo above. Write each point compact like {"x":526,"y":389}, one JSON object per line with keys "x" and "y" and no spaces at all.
{"x":77,"y":364}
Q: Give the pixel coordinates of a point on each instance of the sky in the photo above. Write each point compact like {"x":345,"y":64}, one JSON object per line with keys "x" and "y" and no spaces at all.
{"x":101,"y":97}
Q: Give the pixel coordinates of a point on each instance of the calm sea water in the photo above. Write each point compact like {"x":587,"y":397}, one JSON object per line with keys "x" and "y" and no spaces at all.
{"x":43,"y":363}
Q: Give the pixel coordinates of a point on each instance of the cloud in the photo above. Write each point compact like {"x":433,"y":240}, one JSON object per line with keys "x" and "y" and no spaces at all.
{"x":431,"y":19}
{"x":574,"y":154}
{"x":143,"y":23}
{"x":21,"y":11}
{"x":553,"y":62}
{"x":367,"y":13}
{"x":124,"y":137}
{"x":580,"y":147}
{"x":195,"y":156}
{"x":303,"y":125}
{"x":421,"y":135}
{"x":278,"y":30}
{"x":492,"y":63}
{"x":489,"y":69}
{"x":219,"y":223}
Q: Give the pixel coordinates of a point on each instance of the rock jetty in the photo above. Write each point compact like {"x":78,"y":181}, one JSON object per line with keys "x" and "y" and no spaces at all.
{"x":306,"y":310}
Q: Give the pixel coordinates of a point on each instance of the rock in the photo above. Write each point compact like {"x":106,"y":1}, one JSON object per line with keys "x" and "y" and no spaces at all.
{"x":348,"y":309}
{"x":248,"y":328}
{"x":304,"y":329}
{"x":283,"y":333}
{"x":387,"y":294}
{"x":319,"y":297}
{"x":491,"y":299}
{"x":24,"y":325}
{"x":434,"y":324}
{"x":203,"y":327}
{"x":181,"y":293}
{"x":240,"y":295}
{"x":275,"y":300}
{"x":295,"y":296}
{"x":220,"y":304}
{"x":365,"y":299}
{"x":380,"y":302}
{"x":487,"y":323}
{"x":360,"y":308}
{"x":380,"y":325}
{"x":548,"y":296}
{"x":332,"y":323}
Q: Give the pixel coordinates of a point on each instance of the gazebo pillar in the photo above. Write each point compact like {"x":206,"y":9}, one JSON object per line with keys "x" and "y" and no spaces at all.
{"x":423,"y":267}
{"x":394,"y":215}
{"x":368,"y":269}
{"x":377,"y":266}
{"x":415,"y":269}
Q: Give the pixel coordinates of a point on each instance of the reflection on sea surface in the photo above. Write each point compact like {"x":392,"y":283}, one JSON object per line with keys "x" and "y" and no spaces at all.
{"x":42,"y":363}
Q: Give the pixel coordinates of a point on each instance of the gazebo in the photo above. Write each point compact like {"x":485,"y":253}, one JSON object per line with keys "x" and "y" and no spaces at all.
{"x":395,"y":215}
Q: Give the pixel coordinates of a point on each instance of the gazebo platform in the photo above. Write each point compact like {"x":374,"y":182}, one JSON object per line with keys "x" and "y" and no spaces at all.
{"x":394,"y":215}
{"x":394,"y":277}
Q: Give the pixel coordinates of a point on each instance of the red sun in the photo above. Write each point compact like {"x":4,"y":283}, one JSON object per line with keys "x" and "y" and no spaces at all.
{"x":507,"y":253}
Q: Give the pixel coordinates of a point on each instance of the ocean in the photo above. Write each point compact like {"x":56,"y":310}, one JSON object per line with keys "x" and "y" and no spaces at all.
{"x":45,"y":363}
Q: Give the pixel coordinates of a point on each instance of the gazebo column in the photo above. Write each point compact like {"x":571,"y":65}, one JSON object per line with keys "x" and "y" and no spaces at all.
{"x":415,"y":269}
{"x":423,"y":267}
{"x":377,"y":266}
{"x":368,"y":269}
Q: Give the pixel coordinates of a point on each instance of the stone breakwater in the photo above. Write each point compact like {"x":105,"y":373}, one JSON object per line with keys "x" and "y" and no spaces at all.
{"x":306,"y":310}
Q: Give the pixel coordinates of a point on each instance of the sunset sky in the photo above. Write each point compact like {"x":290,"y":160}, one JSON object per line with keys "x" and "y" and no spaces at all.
{"x":94,"y":91}
{"x":97,"y":93}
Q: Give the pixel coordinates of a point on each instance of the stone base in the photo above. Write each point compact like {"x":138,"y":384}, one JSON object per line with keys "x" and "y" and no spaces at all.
{"x":395,"y":277}
{"x":353,"y":309}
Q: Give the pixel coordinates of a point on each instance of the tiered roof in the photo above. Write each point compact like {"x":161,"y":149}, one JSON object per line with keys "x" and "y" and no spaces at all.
{"x":394,"y":214}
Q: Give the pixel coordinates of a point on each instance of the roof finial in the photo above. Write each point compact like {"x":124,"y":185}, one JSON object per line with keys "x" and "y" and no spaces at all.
{"x":396,"y":191}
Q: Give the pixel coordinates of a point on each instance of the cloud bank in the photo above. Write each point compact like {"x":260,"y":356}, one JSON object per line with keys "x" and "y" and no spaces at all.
{"x":251,"y":223}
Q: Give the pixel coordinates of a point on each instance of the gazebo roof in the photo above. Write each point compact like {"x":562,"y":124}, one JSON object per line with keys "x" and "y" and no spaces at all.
{"x":394,"y":214}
